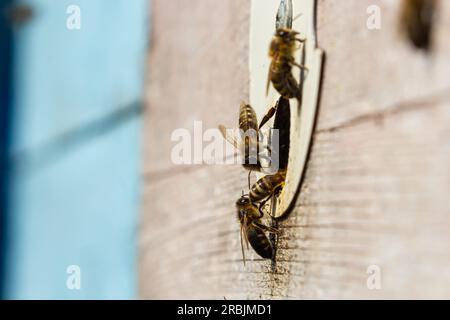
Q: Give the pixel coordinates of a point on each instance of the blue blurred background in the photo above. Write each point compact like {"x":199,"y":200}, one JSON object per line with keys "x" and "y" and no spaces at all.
{"x":71,"y":103}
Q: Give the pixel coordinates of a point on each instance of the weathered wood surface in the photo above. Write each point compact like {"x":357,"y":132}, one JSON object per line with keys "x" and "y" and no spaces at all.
{"x":377,"y":183}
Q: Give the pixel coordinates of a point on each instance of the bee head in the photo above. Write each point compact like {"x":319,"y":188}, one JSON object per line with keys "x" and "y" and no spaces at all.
{"x":281,"y":33}
{"x":242,"y":205}
{"x":246,"y":209}
{"x":286,"y":34}
{"x":243,"y":201}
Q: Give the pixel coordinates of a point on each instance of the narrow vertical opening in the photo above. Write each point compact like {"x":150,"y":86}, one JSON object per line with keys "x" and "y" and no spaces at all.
{"x":282,"y":123}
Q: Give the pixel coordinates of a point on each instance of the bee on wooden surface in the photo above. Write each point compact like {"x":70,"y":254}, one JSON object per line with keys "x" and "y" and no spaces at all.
{"x":249,"y":143}
{"x":416,"y":21}
{"x":252,"y":229}
{"x":266,"y":187}
{"x":281,"y":53}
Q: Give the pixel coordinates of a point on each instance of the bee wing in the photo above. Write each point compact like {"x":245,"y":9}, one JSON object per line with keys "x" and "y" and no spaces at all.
{"x":284,"y":15}
{"x":266,"y":228}
{"x":242,"y":243}
{"x":230,"y":138}
{"x":244,"y":228}
{"x":268,"y":81}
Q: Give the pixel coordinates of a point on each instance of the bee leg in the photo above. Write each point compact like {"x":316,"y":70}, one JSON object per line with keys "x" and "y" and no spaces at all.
{"x":249,"y":184}
{"x":300,"y":66}
{"x":297,"y":16}
{"x":266,"y":228}
{"x":268,"y":115}
{"x":275,"y":194}
{"x":261,"y":213}
{"x":261,"y":207}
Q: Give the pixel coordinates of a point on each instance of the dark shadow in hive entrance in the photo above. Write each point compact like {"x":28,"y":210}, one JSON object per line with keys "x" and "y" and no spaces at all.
{"x":282,"y":123}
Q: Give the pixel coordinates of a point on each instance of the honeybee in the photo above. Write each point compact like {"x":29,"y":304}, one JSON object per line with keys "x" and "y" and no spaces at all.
{"x":249,"y":145}
{"x":252,"y":229}
{"x":249,"y":148}
{"x":266,"y":187}
{"x":281,"y":53}
{"x":416,"y":21}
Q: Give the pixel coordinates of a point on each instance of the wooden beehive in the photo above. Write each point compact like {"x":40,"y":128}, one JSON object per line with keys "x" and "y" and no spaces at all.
{"x":376,"y":187}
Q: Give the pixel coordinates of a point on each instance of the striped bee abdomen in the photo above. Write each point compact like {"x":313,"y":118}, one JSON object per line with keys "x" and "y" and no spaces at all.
{"x":248,"y":123}
{"x":286,"y":85}
{"x":265,"y":186}
{"x":247,"y":118}
{"x":259,"y":242}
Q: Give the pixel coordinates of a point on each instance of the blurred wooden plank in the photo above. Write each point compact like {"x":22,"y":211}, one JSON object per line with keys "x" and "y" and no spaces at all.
{"x":376,"y":184}
{"x":198,"y":70}
{"x":369,"y":70}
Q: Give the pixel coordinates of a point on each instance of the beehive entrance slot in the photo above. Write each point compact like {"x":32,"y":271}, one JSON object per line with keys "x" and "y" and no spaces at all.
{"x":282,"y":123}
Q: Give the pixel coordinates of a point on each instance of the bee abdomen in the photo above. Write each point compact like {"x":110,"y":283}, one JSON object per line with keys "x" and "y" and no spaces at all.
{"x":248,"y":123}
{"x":265,"y":186}
{"x":247,"y":118}
{"x":281,"y":70}
{"x":286,"y":85}
{"x":260,"y":243}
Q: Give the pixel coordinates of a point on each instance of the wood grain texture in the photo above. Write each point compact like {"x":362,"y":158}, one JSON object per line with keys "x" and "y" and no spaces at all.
{"x":377,"y":182}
